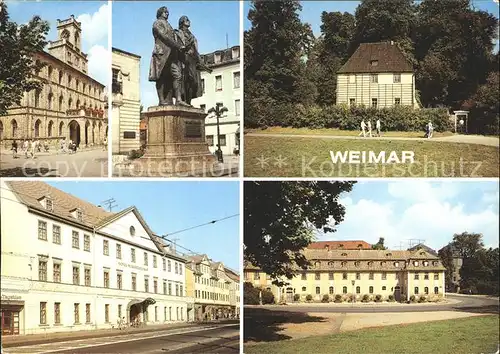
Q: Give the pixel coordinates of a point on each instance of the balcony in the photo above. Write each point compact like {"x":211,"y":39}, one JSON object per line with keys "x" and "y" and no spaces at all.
{"x":117,"y":87}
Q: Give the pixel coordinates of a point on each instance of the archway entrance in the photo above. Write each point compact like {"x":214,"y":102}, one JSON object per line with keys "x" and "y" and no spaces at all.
{"x":397,"y":293}
{"x":136,"y":309}
{"x":289,"y":294}
{"x":74,"y":132}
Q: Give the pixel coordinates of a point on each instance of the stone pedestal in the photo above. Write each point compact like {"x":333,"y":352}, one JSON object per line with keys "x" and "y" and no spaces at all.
{"x":176,"y":143}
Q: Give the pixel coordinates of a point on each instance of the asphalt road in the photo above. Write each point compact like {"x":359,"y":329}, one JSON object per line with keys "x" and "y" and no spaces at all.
{"x":466,"y":304}
{"x":219,"y":340}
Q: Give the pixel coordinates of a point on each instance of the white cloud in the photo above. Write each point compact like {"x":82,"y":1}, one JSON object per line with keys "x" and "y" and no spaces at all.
{"x":422,"y":191}
{"x":434,"y":221}
{"x":99,"y":64}
{"x":95,"y":26}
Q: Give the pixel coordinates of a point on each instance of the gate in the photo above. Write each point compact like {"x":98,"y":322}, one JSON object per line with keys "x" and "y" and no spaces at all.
{"x":397,"y":293}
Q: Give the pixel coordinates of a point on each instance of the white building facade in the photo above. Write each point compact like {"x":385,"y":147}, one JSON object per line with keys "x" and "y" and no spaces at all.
{"x":84,"y":268}
{"x":126,"y":101}
{"x":222,"y":87}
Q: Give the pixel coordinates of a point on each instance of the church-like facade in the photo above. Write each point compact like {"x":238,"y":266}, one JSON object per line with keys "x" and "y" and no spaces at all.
{"x":70,"y":105}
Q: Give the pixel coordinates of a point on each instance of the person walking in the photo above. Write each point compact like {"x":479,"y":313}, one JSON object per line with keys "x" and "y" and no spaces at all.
{"x":14,"y":149}
{"x":363,"y":129}
{"x":378,"y":127}
{"x":369,"y":128}
{"x":26,"y":148}
{"x":33,"y":149}
{"x":431,"y":130}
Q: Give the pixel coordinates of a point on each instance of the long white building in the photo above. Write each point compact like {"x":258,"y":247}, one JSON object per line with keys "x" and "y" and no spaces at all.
{"x":68,"y":265}
{"x":222,"y":87}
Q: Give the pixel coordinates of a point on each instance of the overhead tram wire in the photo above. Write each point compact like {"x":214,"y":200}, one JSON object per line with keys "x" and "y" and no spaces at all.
{"x":164,"y":237}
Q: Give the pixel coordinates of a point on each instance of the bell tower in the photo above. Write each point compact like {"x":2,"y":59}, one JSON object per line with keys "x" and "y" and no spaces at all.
{"x":68,"y":46}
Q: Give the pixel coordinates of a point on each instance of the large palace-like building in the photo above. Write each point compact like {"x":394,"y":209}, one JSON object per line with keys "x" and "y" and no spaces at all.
{"x":344,"y":270}
{"x":70,"y":105}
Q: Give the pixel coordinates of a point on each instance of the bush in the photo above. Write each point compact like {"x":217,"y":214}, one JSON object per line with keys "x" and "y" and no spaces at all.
{"x":325,"y":298}
{"x":267,"y":297}
{"x":135,"y":154}
{"x":365,"y":298}
{"x":390,"y":298}
{"x":422,"y":299}
{"x":250,"y":294}
{"x":378,"y":298}
{"x":351,"y":297}
{"x":338,"y":298}
{"x":309,"y":297}
{"x":296,"y":297}
{"x":413,"y":298}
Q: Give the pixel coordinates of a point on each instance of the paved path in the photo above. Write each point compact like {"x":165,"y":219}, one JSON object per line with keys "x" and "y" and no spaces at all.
{"x":465,"y":139}
{"x":218,"y":338}
{"x":87,"y":163}
{"x":459,"y":303}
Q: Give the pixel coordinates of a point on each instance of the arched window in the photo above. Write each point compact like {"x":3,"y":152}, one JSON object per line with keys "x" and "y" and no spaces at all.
{"x":370,"y":289}
{"x":358,"y":290}
{"x":70,"y":103}
{"x":77,"y":39}
{"x":61,"y":129}
{"x":61,"y":102}
{"x":303,"y":289}
{"x":37,"y":98}
{"x":344,"y":290}
{"x":49,"y":72}
{"x":356,"y":263}
{"x":330,"y":290}
{"x":426,"y":290}
{"x":318,"y":290}
{"x":83,"y":87}
{"x":69,"y":81}
{"x":38,"y":125}
{"x":77,"y":84}
{"x":330,"y":264}
{"x":132,"y":231}
{"x":49,"y":100}
{"x":61,"y":74}
{"x":13,"y":127}
{"x":436,"y":290}
{"x":77,"y":104}
{"x":316,"y":264}
{"x":49,"y":128}
{"x":416,"y":290}
{"x":370,"y":263}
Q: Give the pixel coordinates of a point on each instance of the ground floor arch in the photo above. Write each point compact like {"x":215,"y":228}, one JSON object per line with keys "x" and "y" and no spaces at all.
{"x":13,"y":128}
{"x":137,"y":310}
{"x":38,"y":126}
{"x":74,"y":132}
{"x":87,"y":133}
{"x":50,"y":127}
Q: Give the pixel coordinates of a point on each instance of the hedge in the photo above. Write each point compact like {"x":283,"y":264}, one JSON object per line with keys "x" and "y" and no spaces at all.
{"x":400,"y":118}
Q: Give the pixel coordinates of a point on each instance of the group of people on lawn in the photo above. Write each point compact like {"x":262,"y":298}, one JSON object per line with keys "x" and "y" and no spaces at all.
{"x":366,"y":129}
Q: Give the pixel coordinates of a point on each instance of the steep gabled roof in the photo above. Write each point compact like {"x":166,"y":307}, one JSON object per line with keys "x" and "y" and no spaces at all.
{"x":388,"y":56}
{"x":424,"y":247}
{"x":346,"y":245}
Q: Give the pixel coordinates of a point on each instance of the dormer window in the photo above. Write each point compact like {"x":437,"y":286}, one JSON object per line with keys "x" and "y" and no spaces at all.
{"x":132,"y":231}
{"x":415,"y":263}
{"x":360,"y":246}
{"x":388,"y":254}
{"x":48,"y":204}
{"x":370,"y":264}
{"x":396,"y":264}
{"x":316,"y":264}
{"x":236,"y":53}
{"x":422,"y":253}
{"x":435,"y":263}
{"x":330,"y":264}
{"x":344,"y":254}
{"x":327,"y":248}
{"x":426,"y":264}
{"x":341,"y":246}
{"x":217,"y":58}
{"x":382,"y":264}
{"x":343,"y":264}
{"x":79,"y":214}
{"x":374,"y":62}
{"x":356,"y":263}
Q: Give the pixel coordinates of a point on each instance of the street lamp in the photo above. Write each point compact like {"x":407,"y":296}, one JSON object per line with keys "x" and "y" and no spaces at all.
{"x":219,"y":110}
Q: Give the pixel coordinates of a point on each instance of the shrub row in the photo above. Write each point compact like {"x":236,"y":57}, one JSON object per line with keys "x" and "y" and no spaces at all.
{"x":401,"y":118}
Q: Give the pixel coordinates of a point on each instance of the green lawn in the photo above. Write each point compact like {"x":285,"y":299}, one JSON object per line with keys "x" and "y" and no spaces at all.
{"x":474,"y":335}
{"x":332,"y":131}
{"x":310,"y":157}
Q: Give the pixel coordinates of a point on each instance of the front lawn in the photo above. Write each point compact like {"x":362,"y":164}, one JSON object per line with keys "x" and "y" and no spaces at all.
{"x":310,"y":157}
{"x":474,"y":335}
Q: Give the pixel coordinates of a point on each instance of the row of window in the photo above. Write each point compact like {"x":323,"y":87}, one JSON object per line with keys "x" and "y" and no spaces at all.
{"x":211,"y":282}
{"x":396,"y":264}
{"x":397,"y":102}
{"x":85,"y":88}
{"x":56,"y":278}
{"x":331,"y":290}
{"x":60,"y":107}
{"x":371,"y":276}
{"x":396,"y":78}
{"x":208,"y":295}
{"x":218,"y":82}
{"x":75,"y":242}
{"x":76,"y":313}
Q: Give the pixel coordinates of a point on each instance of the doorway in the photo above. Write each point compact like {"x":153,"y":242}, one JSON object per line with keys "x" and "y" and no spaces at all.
{"x":10,"y":321}
{"x":74,"y":132}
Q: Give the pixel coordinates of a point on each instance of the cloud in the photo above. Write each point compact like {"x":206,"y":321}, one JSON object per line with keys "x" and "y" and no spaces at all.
{"x":95,"y":26}
{"x":422,"y":191}
{"x":99,"y":64}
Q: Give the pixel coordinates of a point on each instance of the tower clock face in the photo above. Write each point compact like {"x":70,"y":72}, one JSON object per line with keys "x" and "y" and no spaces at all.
{"x":65,"y":34}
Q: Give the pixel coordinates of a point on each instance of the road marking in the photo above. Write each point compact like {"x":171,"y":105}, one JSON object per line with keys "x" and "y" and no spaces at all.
{"x":71,"y":344}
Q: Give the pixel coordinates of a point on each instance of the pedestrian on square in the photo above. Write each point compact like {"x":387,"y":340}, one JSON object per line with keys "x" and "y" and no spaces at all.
{"x":33,"y":149}
{"x":14,"y":149}
{"x":369,"y":128}
{"x":26,"y":148}
{"x":430,"y":130}
{"x":363,"y":129}
{"x":378,"y":127}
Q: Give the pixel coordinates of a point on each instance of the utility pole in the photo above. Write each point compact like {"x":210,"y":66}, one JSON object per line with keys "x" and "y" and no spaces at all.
{"x":111,"y":203}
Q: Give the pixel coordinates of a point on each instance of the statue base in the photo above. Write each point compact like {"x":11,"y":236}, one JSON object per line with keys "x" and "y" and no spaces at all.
{"x":175,"y":143}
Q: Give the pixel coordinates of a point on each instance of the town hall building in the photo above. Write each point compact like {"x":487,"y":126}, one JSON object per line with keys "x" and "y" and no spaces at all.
{"x":70,"y":105}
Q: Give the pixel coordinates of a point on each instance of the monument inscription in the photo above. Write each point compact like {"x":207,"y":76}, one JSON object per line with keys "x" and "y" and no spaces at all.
{"x":193,"y":130}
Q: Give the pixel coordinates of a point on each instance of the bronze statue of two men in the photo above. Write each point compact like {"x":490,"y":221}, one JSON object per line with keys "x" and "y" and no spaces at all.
{"x":175,"y":63}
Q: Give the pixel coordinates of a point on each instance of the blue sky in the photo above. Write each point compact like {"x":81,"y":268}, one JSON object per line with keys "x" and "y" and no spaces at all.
{"x":210,"y":22}
{"x":171,"y":206}
{"x":311,"y":11}
{"x":93,"y":15}
{"x":419,"y":209}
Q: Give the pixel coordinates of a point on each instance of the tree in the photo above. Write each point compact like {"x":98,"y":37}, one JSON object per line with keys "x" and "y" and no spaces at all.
{"x":379,"y":245}
{"x":485,"y":107}
{"x":18,"y":44}
{"x":467,"y":244}
{"x":280,"y":218}
{"x":446,"y":255}
{"x":275,"y":50}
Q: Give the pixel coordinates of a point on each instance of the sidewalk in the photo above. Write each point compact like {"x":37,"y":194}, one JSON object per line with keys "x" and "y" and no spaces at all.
{"x":492,"y":297}
{"x":33,"y":339}
{"x":51,"y":152}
